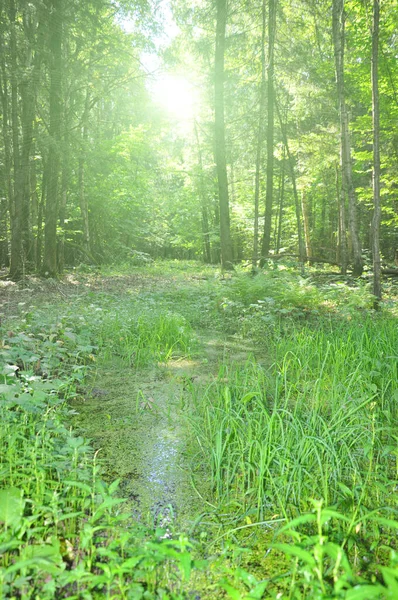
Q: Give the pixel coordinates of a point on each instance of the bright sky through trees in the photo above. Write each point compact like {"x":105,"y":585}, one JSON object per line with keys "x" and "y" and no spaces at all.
{"x":172,"y":92}
{"x":175,"y":94}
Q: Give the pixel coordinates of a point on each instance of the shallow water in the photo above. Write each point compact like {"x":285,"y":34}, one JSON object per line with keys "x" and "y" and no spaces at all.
{"x":138,"y":420}
{"x":139,"y":423}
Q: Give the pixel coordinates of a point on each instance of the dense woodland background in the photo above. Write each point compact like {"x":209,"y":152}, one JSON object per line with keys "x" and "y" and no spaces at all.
{"x":281,"y":155}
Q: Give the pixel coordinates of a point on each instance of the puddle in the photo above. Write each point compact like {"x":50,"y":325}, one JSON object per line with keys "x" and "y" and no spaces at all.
{"x":138,"y":422}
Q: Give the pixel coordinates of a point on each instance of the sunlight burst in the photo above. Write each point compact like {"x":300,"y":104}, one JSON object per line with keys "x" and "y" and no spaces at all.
{"x":176,"y":95}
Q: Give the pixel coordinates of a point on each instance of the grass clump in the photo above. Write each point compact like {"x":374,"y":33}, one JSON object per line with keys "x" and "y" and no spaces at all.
{"x":323,"y":411}
{"x":64,"y":533}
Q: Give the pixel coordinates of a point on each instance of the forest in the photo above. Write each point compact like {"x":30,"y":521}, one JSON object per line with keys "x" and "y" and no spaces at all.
{"x":198,"y":299}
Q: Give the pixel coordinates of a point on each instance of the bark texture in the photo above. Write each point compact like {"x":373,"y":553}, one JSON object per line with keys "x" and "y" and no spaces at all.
{"x":376,"y":154}
{"x":347,"y":185}
{"x":219,"y":113}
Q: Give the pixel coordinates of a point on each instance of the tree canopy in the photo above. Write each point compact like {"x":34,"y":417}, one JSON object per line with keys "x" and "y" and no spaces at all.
{"x":127,"y":128}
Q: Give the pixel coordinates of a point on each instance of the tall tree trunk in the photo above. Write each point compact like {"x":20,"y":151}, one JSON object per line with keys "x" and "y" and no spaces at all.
{"x":281,"y":201}
{"x":221,"y":163}
{"x":35,"y":206}
{"x":347,"y":185}
{"x":306,"y":223}
{"x":65,"y":178}
{"x":260,"y":136}
{"x":342,"y":230}
{"x":9,"y":192}
{"x":376,"y":155}
{"x":301,"y":246}
{"x":16,"y":262}
{"x":53,"y":162}
{"x":40,"y":214}
{"x":27,"y":99}
{"x":82,"y":191}
{"x":270,"y":129}
{"x":203,"y":202}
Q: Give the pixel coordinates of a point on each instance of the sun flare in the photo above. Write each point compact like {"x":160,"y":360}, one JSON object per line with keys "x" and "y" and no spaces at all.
{"x":176,"y":95}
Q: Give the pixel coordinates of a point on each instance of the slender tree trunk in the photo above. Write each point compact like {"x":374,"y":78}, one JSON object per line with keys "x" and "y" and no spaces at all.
{"x":16,"y":262}
{"x":306,"y":223}
{"x":27,"y":99}
{"x":376,"y":155}
{"x":49,"y":268}
{"x":82,"y":191}
{"x":221,"y":164}
{"x":342,"y":230}
{"x":294,"y":185}
{"x":260,"y":136}
{"x":40,"y":214}
{"x":64,"y":196}
{"x":281,"y":201}
{"x":203,"y":202}
{"x":35,"y":207}
{"x":270,"y":130}
{"x":9,"y":192}
{"x":347,"y":184}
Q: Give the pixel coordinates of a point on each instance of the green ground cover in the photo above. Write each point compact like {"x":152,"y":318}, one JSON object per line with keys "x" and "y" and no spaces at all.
{"x":260,"y":411}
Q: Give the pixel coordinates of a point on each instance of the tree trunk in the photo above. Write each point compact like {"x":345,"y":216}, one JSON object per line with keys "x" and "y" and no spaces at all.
{"x":260,"y":137}
{"x":221,"y":164}
{"x":49,"y":268}
{"x":28,"y":102}
{"x":206,"y":248}
{"x":82,"y":192}
{"x":16,"y":262}
{"x":281,"y":201}
{"x":376,"y":156}
{"x":270,"y":129}
{"x":295,"y":193}
{"x":342,"y":231}
{"x":40,"y":213}
{"x":9,"y":193}
{"x":306,"y":223}
{"x":347,"y":185}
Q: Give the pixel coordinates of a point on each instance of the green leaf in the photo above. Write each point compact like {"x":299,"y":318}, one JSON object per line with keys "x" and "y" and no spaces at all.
{"x":186,"y":563}
{"x":231,"y":591}
{"x":303,"y":555}
{"x":4,"y":388}
{"x":11,"y":506}
{"x":258,"y":592}
{"x":307,"y":518}
{"x":390,"y":577}
{"x":365,"y":592}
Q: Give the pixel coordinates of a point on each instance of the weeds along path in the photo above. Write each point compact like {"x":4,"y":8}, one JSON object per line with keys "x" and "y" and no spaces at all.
{"x":136,"y":407}
{"x":137,"y":418}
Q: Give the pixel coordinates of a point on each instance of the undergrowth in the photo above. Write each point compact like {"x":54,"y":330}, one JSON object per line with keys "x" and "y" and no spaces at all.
{"x":299,"y":443}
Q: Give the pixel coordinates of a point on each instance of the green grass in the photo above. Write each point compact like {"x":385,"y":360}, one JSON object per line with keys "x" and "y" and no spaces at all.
{"x":299,"y":441}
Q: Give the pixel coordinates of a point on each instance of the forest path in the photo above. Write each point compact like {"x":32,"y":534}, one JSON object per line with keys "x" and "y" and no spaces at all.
{"x":138,"y":417}
{"x":138,"y":420}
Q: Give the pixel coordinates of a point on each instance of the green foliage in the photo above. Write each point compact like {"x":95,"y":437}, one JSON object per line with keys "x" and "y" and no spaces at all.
{"x":63,"y":531}
{"x":316,"y":403}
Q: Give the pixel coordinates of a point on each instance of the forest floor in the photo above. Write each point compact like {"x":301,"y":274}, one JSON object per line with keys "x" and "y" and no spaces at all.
{"x":198,"y":394}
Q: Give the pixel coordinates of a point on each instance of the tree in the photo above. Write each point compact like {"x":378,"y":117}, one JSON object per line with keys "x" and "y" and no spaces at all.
{"x":347,"y":186}
{"x":260,"y":135}
{"x":270,"y":129}
{"x":376,"y":154}
{"x":219,"y":123}
{"x":53,"y":162}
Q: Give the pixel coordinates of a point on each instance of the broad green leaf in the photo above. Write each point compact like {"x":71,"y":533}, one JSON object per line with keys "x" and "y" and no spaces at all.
{"x":307,"y":518}
{"x":11,"y":506}
{"x":258,"y":592}
{"x":291,"y":550}
{"x":231,"y":591}
{"x":365,"y":592}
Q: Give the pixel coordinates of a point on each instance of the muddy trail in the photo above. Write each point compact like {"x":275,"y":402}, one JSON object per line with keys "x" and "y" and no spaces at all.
{"x":138,"y":421}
